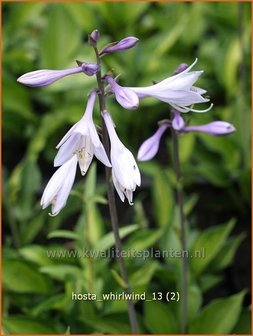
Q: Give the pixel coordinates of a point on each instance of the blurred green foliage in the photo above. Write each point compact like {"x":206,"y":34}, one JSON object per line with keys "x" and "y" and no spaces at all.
{"x":37,"y":288}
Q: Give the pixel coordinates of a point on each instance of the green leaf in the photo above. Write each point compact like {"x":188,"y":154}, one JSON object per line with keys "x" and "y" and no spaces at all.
{"x":26,"y":325}
{"x":20,"y":277}
{"x":217,"y":177}
{"x":186,"y":146}
{"x":161,"y":193}
{"x":108,"y":240}
{"x":62,"y":272}
{"x":60,"y":29}
{"x":159,"y":318}
{"x":219,"y":317}
{"x":208,"y":281}
{"x":92,"y":217}
{"x":243,"y":325}
{"x":194,"y":301}
{"x":143,"y":275}
{"x":63,"y":234}
{"x":24,"y":183}
{"x":231,"y":64}
{"x":120,"y":281}
{"x":211,"y":240}
{"x":54,"y":302}
{"x":30,"y":231}
{"x":36,"y":254}
{"x":111,"y":324}
{"x":226,"y":255}
{"x":143,"y":239}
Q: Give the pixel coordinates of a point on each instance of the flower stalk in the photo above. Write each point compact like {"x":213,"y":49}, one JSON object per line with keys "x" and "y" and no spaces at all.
{"x":112,"y":202}
{"x":180,"y":202}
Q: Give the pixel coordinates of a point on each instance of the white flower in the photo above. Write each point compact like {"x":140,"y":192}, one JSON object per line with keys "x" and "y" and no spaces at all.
{"x":177,"y":91}
{"x":82,"y":139}
{"x":125,"y":172}
{"x":59,"y":186}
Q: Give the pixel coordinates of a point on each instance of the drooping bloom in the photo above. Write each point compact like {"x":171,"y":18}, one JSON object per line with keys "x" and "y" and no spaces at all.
{"x":46,"y":77}
{"x":124,"y":44}
{"x":150,"y":147}
{"x":83,"y":140}
{"x":125,"y":172}
{"x":177,"y":90}
{"x":59,"y":186}
{"x":212,"y":128}
{"x":124,"y":96}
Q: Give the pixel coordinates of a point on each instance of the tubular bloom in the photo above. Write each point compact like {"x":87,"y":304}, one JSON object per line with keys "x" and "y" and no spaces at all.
{"x":59,"y":186}
{"x":125,"y":172}
{"x":46,"y":77}
{"x":177,"y":91}
{"x":82,"y":139}
{"x":213,"y":128}
{"x":150,"y":147}
{"x":124,"y":96}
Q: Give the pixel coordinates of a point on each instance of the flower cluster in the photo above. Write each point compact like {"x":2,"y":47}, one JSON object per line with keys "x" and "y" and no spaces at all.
{"x":82,"y":141}
{"x":150,"y":146}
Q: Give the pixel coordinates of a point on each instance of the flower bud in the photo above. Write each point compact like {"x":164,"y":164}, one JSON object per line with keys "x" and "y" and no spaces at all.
{"x":94,"y":37}
{"x":124,"y":96}
{"x":124,"y":44}
{"x":90,"y":69}
{"x":45,"y":77}
{"x":213,"y":128}
{"x":182,"y":67}
{"x":177,"y":121}
{"x":150,"y":147}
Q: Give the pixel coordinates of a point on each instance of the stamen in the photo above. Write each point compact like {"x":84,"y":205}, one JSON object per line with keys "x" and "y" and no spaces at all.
{"x":202,"y":111}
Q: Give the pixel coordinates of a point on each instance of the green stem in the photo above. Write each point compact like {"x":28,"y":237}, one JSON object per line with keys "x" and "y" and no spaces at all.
{"x":112,"y":205}
{"x":184,"y":265}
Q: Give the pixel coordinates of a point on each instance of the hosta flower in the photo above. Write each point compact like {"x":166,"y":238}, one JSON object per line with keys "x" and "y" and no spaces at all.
{"x":124,"y":96}
{"x":124,"y":44}
{"x":150,"y":147}
{"x":59,"y":186}
{"x":46,"y":77}
{"x":125,"y":172}
{"x":212,"y":128}
{"x":82,"y":139}
{"x":177,"y":90}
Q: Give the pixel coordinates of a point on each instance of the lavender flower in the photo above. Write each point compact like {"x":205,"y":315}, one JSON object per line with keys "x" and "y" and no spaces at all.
{"x":46,"y":77}
{"x":59,"y":186}
{"x":82,"y":139}
{"x":125,"y":172}
{"x":124,"y":96}
{"x":150,"y":147}
{"x":212,"y":128}
{"x":177,"y":121}
{"x":124,"y":44}
{"x":177,"y":91}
